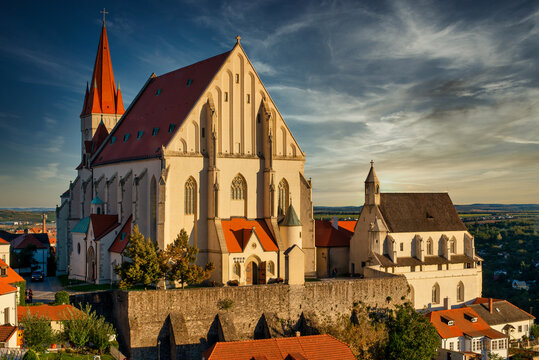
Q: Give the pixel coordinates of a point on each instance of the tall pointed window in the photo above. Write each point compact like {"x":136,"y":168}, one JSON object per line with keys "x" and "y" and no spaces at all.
{"x":284,"y":197}
{"x":190,"y":196}
{"x":429,"y":246}
{"x":237,"y":189}
{"x":153,"y":209}
{"x":460,"y":292}
{"x":436,"y":294}
{"x":452,"y":246}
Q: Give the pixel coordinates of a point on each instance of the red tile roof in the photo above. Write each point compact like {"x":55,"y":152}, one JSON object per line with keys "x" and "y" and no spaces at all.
{"x":103,"y":97}
{"x":121,"y":240}
{"x":482,"y":300}
{"x":164,"y":101}
{"x":238,"y":231}
{"x":6,"y":332}
{"x":11,"y":275}
{"x":5,"y":288}
{"x":327,"y":236}
{"x":51,"y":312}
{"x":26,"y":240}
{"x":103,"y":224}
{"x":316,"y":347}
{"x":462,"y":324}
{"x":3,"y":242}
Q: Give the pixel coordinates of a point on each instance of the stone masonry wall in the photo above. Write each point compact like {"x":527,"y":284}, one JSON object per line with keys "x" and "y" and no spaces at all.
{"x":187,"y":322}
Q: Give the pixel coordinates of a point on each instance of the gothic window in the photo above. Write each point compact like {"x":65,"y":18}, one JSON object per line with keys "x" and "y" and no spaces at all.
{"x":271,"y":267}
{"x":429,"y":246}
{"x":190,"y":196}
{"x":460,"y":292}
{"x":452,"y":246}
{"x":237,"y":189}
{"x":153,"y":209}
{"x":436,"y":294}
{"x":283,"y":197}
{"x":378,"y":189}
{"x":78,"y":248}
{"x":237,"y":269}
{"x":402,"y":246}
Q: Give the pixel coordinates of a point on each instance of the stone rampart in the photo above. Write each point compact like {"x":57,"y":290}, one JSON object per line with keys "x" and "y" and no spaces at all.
{"x":184,"y":323}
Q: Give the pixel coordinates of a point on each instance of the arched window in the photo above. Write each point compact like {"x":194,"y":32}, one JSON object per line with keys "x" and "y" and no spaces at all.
{"x":452,"y":246}
{"x":429,"y":246}
{"x":460,"y":292}
{"x":237,"y":270}
{"x":282,"y":205}
{"x":153,"y":209}
{"x":78,"y":248}
{"x":237,"y":189}
{"x":271,"y":267}
{"x":436,"y":294}
{"x":190,"y":196}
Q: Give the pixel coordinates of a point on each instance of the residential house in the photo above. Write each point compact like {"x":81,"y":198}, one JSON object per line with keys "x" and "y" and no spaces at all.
{"x":56,"y":314}
{"x":316,"y":347}
{"x":333,"y":246}
{"x":520,"y":285}
{"x":10,"y":283}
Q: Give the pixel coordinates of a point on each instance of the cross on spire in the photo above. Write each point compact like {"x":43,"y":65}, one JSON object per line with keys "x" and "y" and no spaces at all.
{"x":104,"y":12}
{"x":372,"y":163}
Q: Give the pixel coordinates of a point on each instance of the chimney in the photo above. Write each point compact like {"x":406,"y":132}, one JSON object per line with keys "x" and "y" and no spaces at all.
{"x":490,"y":305}
{"x":335,"y":222}
{"x":298,"y":334}
{"x":44,"y":229}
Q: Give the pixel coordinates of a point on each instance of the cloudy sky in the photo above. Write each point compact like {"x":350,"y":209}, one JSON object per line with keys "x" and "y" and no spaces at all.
{"x":442,"y":95}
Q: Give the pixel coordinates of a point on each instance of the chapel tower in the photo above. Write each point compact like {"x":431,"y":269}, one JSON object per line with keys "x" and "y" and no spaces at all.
{"x":372,"y":188}
{"x":103,"y":100}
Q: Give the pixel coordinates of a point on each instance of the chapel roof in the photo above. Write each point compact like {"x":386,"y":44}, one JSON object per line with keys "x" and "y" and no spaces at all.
{"x":503,"y":312}
{"x":103,"y":224}
{"x":314,"y":347}
{"x":326,"y":235}
{"x":463,"y":324}
{"x":238,"y":231}
{"x":158,"y":112}
{"x":419,"y":212}
{"x":82,"y":226}
{"x":121,"y":240}
{"x":386,"y":261}
{"x":291,"y":218}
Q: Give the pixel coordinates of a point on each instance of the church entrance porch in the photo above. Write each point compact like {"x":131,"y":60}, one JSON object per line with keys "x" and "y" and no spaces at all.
{"x":255,"y":274}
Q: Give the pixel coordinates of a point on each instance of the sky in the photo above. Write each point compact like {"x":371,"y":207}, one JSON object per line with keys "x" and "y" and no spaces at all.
{"x":442,"y":95}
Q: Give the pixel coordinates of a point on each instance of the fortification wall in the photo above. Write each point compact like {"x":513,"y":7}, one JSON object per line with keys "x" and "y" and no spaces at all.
{"x":186,"y":322}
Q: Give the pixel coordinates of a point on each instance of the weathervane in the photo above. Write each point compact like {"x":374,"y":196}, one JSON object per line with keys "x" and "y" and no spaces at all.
{"x":104,"y":12}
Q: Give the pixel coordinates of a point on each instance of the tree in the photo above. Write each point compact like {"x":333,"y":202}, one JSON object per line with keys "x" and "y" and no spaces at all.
{"x":77,"y":329}
{"x":30,"y":355}
{"x":177,"y":262}
{"x":534,"y":331}
{"x":410,"y":335}
{"x":101,"y":332}
{"x":38,"y":334}
{"x":61,"y":297}
{"x":88,"y":327}
{"x":144,"y":266}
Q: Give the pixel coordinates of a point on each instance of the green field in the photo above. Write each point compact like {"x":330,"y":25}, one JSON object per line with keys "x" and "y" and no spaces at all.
{"x":31,"y":216}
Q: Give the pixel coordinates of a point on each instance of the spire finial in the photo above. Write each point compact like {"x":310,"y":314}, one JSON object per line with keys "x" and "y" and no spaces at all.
{"x":238,"y":38}
{"x":104,"y":12}
{"x":372,"y":163}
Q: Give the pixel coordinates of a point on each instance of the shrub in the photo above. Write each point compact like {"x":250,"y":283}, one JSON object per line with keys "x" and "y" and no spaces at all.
{"x":225,"y":304}
{"x":38,"y":334}
{"x":30,"y":355}
{"x":61,"y":297}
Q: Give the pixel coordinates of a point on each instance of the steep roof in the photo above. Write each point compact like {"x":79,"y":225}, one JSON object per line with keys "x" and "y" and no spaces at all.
{"x":82,"y":226}
{"x":385,"y":261}
{"x":102,"y":97}
{"x":158,"y":112}
{"x":3,"y":242}
{"x":103,"y":224}
{"x":291,"y":218}
{"x":51,"y":312}
{"x":25,"y":240}
{"x":315,"y":347}
{"x":100,"y":135}
{"x":238,"y":231}
{"x":11,"y":276}
{"x":6,"y":332}
{"x":121,"y":240}
{"x":97,"y":201}
{"x":417,"y":212}
{"x":327,"y":235}
{"x":6,"y":235}
{"x":462,"y":324}
{"x":503,"y":312}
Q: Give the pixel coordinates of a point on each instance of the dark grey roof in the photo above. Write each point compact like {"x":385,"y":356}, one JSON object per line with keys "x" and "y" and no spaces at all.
{"x":503,"y":312}
{"x":428,"y":260}
{"x":291,"y":218}
{"x":417,"y":212}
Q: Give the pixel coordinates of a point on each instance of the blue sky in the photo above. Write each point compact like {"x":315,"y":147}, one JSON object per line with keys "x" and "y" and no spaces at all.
{"x":442,"y":95}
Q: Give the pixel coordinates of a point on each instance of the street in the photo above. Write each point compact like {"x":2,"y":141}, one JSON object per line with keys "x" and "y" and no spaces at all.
{"x":43,"y":291}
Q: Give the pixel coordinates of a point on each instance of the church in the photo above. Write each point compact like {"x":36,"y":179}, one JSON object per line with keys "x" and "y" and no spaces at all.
{"x":421,"y":237}
{"x":202,"y":148}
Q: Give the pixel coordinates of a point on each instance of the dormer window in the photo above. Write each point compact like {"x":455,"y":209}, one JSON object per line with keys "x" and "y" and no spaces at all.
{"x":112,"y":140}
{"x":3,"y":271}
{"x":140,"y":133}
{"x":155,"y":131}
{"x":157,"y":92}
{"x":126,"y":137}
{"x":447,"y":320}
{"x":470,"y":317}
{"x":171,"y":128}
{"x":189,"y":82}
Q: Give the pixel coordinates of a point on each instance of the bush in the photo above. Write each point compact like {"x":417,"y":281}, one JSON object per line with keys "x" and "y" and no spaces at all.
{"x":225,"y":304}
{"x":30,"y":355}
{"x":38,"y":334}
{"x":88,"y":328}
{"x":61,"y":297}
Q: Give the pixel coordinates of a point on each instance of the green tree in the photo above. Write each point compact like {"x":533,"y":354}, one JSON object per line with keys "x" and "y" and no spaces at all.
{"x":77,"y":329}
{"x":177,"y":262}
{"x":534,"y":331}
{"x":30,"y":355}
{"x":410,"y":335}
{"x":144,"y":266}
{"x":38,"y":334}
{"x":101,"y":332}
{"x":88,"y":327}
{"x":61,"y":297}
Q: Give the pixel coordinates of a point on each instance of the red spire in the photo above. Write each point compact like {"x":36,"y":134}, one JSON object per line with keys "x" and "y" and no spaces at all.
{"x":103,"y":96}
{"x":119,"y":101}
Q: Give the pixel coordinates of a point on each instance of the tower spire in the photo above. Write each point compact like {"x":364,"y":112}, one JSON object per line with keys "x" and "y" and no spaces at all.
{"x":372,"y":187}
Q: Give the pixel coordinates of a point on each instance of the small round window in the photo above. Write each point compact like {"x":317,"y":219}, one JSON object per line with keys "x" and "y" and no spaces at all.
{"x":78,"y":248}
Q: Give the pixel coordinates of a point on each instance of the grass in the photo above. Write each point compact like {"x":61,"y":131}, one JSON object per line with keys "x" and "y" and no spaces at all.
{"x":473,"y":215}
{"x":64,"y":281}
{"x":65,"y":356}
{"x":85,"y":287}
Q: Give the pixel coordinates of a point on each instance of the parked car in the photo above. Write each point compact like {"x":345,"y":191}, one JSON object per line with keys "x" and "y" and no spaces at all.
{"x":37,"y":275}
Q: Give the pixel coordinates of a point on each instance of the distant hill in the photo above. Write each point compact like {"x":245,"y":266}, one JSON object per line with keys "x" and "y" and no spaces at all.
{"x":31,"y":216}
{"x":473,"y":208}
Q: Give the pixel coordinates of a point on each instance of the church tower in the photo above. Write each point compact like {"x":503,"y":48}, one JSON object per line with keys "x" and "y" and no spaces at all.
{"x":372,"y":188}
{"x":103,"y":100}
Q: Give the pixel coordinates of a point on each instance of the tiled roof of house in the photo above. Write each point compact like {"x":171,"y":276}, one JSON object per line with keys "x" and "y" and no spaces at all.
{"x":121,"y":240}
{"x":417,"y":212}
{"x":238,"y":232}
{"x":463,"y":324}
{"x":315,"y":347}
{"x":158,"y":112}
{"x":327,"y":236}
{"x":24,"y":240}
{"x":103,"y":224}
{"x":51,"y":312}
{"x":11,"y":275}
{"x":3,"y":242}
{"x":6,"y":332}
{"x":503,"y":312}
{"x":5,"y":288}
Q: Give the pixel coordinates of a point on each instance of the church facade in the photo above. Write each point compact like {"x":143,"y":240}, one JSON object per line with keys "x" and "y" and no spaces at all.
{"x":419,"y":236}
{"x":202,"y":148}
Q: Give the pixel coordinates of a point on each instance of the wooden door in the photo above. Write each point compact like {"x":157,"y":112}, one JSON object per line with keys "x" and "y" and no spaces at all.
{"x":262,"y":273}
{"x":249,"y":273}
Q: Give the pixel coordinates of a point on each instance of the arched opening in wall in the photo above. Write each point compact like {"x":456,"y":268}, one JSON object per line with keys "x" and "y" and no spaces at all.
{"x":190,"y":196}
{"x":251,"y":273}
{"x":283,"y":139}
{"x":238,"y":195}
{"x":429,"y":246}
{"x":153,"y":209}
{"x":271,"y":268}
{"x":460,"y":292}
{"x":378,"y":189}
{"x":436,"y":294}
{"x":183,"y":146}
{"x":91,"y":273}
{"x":452,"y":246}
{"x":293,"y":151}
{"x":237,"y":271}
{"x":284,"y":197}
{"x":196,"y":139}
